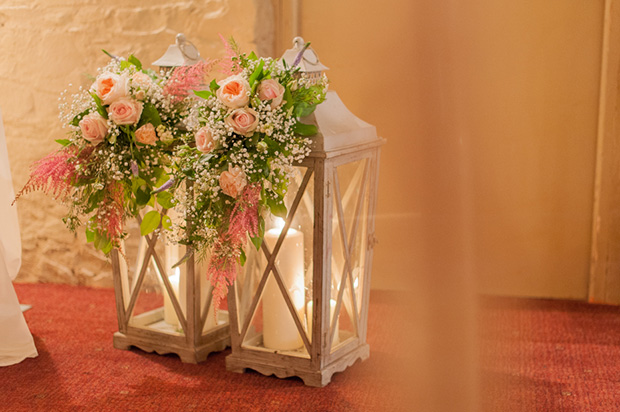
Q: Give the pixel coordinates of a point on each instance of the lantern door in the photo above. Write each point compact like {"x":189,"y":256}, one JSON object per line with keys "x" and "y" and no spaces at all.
{"x":273,"y":291}
{"x":163,"y":300}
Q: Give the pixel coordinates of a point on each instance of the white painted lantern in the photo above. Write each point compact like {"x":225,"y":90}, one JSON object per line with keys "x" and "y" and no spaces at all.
{"x":300,"y":305}
{"x":163,"y":301}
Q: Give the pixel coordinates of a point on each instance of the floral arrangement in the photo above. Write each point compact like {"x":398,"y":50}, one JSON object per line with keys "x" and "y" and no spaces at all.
{"x":221,"y":156}
{"x":122,"y":133}
{"x":247,"y":137}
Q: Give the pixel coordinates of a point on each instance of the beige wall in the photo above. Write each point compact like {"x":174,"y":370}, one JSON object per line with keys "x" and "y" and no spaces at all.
{"x":46,"y":44}
{"x":515,"y":85}
{"x":533,"y":107}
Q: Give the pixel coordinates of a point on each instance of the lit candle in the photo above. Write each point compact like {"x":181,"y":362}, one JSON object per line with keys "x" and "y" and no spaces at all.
{"x":177,"y":279}
{"x":332,"y":309}
{"x":170,"y":316}
{"x":279,"y":329}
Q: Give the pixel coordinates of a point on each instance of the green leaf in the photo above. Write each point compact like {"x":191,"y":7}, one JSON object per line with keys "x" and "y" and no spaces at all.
{"x":252,"y":56}
{"x":90,"y":236}
{"x":102,"y":242}
{"x":63,"y":142}
{"x":100,"y":109}
{"x":256,"y":73}
{"x":213,"y":86}
{"x":203,"y":94}
{"x":242,"y":258}
{"x":150,"y":115}
{"x":288,"y":98}
{"x":165,"y":199}
{"x":143,"y":196}
{"x":76,"y":120}
{"x":303,"y":109}
{"x":166,"y":222}
{"x":150,"y":222}
{"x":303,"y":129}
{"x":134,"y":60}
{"x":277,"y":208}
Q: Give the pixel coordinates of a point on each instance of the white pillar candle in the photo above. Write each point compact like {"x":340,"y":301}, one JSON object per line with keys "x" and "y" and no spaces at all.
{"x":279,"y":329}
{"x":178,"y":280}
{"x":332,"y":309}
{"x":170,"y":316}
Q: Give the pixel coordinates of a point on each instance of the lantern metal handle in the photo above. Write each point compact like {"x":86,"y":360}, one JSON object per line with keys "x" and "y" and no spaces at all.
{"x":187,"y":47}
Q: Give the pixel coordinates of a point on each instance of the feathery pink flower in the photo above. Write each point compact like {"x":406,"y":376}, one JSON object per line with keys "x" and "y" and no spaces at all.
{"x":53,"y":174}
{"x":227,"y":66}
{"x":184,"y":79}
{"x":243,"y":222}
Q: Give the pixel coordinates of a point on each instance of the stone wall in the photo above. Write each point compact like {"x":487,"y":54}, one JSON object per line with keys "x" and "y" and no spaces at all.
{"x":46,"y":45}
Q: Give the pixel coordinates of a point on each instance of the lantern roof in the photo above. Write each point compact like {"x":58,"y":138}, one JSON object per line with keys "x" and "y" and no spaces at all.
{"x":182,"y":53}
{"x":310,"y":60}
{"x":338,"y":128}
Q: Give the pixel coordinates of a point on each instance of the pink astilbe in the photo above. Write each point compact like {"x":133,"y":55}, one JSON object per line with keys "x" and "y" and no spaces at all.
{"x":110,"y":217}
{"x":227,"y":65}
{"x":243,"y":222}
{"x":53,"y":174}
{"x":184,"y":79}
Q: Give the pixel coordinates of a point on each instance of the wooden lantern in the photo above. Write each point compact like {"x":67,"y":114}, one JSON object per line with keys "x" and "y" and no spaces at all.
{"x":162,"y":305}
{"x":299,"y":307}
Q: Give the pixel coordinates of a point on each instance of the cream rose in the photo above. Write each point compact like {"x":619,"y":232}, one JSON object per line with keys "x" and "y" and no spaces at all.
{"x":111,"y":87}
{"x":270,"y":89}
{"x":243,"y":121}
{"x":233,"y":181}
{"x":141,"y":80}
{"x":233,"y":91}
{"x":94,"y":128}
{"x":204,"y":140}
{"x":146,"y":134}
{"x":125,"y":111}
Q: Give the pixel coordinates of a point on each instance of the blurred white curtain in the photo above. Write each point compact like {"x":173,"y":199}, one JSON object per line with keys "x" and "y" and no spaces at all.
{"x":16,"y":343}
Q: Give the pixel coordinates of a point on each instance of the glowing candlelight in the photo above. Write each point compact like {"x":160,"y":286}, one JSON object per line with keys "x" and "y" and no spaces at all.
{"x":279,"y":329}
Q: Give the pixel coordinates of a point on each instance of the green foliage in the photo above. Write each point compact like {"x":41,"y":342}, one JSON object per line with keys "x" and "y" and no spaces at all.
{"x":303,"y":129}
{"x":150,"y":222}
{"x":149,"y":115}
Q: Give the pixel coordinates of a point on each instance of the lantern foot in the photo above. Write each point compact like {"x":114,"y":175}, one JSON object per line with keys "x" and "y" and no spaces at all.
{"x":187,"y":353}
{"x":311,"y":377}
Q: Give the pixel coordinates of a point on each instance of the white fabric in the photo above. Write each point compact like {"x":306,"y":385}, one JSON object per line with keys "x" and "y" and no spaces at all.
{"x":16,"y":343}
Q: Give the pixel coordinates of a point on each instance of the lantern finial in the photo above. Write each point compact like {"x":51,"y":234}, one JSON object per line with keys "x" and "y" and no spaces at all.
{"x":182,"y":53}
{"x":306,"y":58}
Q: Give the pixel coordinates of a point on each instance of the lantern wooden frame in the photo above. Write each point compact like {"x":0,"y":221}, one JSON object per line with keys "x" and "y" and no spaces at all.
{"x":193,"y":345}
{"x":322,"y":362}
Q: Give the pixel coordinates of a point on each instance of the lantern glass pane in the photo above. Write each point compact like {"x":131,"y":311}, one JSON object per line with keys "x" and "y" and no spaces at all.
{"x":265,"y":313}
{"x":152,"y":308}
{"x":349,"y":231}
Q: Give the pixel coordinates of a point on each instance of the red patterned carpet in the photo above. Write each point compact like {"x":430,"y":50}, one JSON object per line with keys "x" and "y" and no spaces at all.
{"x":549,"y":355}
{"x":79,"y":370}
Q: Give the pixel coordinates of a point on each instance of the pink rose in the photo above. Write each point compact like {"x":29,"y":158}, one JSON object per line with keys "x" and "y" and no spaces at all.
{"x":243,"y":121}
{"x":233,"y":91}
{"x":270,"y":89}
{"x":204,"y":140}
{"x":94,"y":128}
{"x":111,"y":87}
{"x":146,"y":134}
{"x":233,"y":181}
{"x":125,"y":111}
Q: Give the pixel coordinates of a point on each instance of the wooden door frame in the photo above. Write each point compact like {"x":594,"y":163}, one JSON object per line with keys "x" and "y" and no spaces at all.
{"x":604,"y":286}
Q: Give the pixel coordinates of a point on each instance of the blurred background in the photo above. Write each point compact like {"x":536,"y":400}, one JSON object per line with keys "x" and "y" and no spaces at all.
{"x":490,"y":110}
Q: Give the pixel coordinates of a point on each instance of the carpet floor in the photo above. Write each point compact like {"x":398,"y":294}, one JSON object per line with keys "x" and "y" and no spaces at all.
{"x":78,"y":369}
{"x":549,"y":355}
